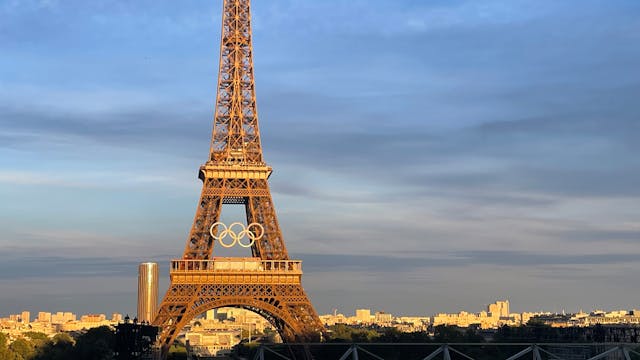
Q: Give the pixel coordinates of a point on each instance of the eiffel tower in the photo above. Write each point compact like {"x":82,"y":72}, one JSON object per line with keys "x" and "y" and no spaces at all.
{"x":268,"y":283}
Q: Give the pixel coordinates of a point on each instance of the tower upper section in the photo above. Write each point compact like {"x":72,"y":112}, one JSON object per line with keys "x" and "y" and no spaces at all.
{"x":236,"y":136}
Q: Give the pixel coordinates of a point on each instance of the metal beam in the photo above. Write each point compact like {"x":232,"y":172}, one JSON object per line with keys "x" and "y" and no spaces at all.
{"x":277,"y":353}
{"x":368,"y":352}
{"x":536,"y":353}
{"x":461,"y":354}
{"x":445,"y":352}
{"x":435,"y":353}
{"x":260,"y":353}
{"x":350,"y":351}
{"x":521,"y":353}
{"x":606,"y":353}
{"x":549,"y":353}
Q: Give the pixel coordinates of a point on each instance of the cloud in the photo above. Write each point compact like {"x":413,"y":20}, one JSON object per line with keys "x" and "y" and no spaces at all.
{"x":35,"y":264}
{"x":393,"y":18}
{"x":552,"y":168}
{"x":52,"y":267}
{"x":583,"y":235}
{"x":89,"y":180}
{"x":118,"y":126}
{"x":410,"y":262}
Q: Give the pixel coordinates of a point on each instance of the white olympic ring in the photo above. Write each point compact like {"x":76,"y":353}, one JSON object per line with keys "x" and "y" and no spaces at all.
{"x":236,"y":237}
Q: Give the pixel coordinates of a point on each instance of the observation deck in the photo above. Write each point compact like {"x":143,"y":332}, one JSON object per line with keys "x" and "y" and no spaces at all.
{"x":239,"y":170}
{"x":233,"y":270}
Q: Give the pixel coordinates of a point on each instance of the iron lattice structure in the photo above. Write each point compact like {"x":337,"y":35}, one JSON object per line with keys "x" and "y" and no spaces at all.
{"x":235,"y":173}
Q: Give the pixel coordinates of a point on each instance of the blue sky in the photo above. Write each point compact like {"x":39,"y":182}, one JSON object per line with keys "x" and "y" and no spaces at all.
{"x":454,"y":152}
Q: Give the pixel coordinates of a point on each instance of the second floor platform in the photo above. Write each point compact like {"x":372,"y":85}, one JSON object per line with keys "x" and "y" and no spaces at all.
{"x":236,"y":270}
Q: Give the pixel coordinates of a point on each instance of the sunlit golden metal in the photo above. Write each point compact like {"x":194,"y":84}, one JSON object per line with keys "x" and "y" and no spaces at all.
{"x":147,"y":291}
{"x":235,"y":173}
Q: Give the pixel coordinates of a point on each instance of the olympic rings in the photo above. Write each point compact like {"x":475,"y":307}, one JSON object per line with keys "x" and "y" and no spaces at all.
{"x":237,"y":236}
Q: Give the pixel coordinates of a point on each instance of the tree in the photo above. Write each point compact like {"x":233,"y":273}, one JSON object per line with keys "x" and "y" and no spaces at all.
{"x":3,"y":341}
{"x":390,"y":335}
{"x":341,"y":333}
{"x":23,"y":348}
{"x":63,"y":338}
{"x":37,"y":336}
{"x":363,"y":336}
{"x":448,"y":334}
{"x":4,"y":351}
{"x":177,"y":352}
{"x":38,"y":339}
{"x":96,"y":344}
{"x":270,"y":335}
{"x":472,"y":336}
{"x":60,"y":348}
{"x":535,"y":321}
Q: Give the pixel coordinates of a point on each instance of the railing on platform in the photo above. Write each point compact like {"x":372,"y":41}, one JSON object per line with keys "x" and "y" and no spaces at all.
{"x":236,"y":265}
{"x":454,"y":351}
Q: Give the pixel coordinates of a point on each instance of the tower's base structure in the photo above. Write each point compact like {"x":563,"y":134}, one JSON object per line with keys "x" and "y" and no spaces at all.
{"x":268,"y":283}
{"x":271,"y":288}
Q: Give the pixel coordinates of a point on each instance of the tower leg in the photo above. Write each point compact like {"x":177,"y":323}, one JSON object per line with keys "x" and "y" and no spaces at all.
{"x":286,"y":307}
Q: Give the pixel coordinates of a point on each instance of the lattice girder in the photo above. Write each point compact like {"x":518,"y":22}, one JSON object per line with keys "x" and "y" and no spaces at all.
{"x":255,"y":195}
{"x":235,"y":133}
{"x":290,"y":312}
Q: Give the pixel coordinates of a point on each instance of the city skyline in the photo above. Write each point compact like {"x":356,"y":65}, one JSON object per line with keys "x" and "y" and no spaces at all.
{"x":498,"y":140}
{"x":499,"y":309}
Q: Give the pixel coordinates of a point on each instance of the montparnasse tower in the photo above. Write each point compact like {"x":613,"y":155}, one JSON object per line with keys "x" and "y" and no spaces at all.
{"x":147,"y":291}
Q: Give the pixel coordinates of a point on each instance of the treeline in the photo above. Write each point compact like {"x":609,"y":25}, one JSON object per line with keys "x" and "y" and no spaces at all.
{"x":531,"y":333}
{"x":95,"y":344}
{"x":100,"y":343}
{"x":442,"y":334}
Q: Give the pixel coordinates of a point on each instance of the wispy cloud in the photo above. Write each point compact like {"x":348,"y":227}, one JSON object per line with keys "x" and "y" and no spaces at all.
{"x":412,"y":262}
{"x":91,"y":179}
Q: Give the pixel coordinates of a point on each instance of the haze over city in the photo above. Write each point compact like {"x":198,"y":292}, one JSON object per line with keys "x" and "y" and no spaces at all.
{"x":428,"y":156}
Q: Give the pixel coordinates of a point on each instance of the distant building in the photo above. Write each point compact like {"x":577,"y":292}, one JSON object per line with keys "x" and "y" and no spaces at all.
{"x":93,"y":318}
{"x":212,"y":343}
{"x":499,"y":309}
{"x":69,"y":316}
{"x":62,"y":317}
{"x":363,"y":315}
{"x":147,"y":291}
{"x":215,"y":333}
{"x":383,"y":318}
{"x":44,"y":317}
{"x":25,"y":317}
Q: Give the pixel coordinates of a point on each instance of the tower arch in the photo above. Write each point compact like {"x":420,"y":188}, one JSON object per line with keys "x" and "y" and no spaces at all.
{"x":271,"y":313}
